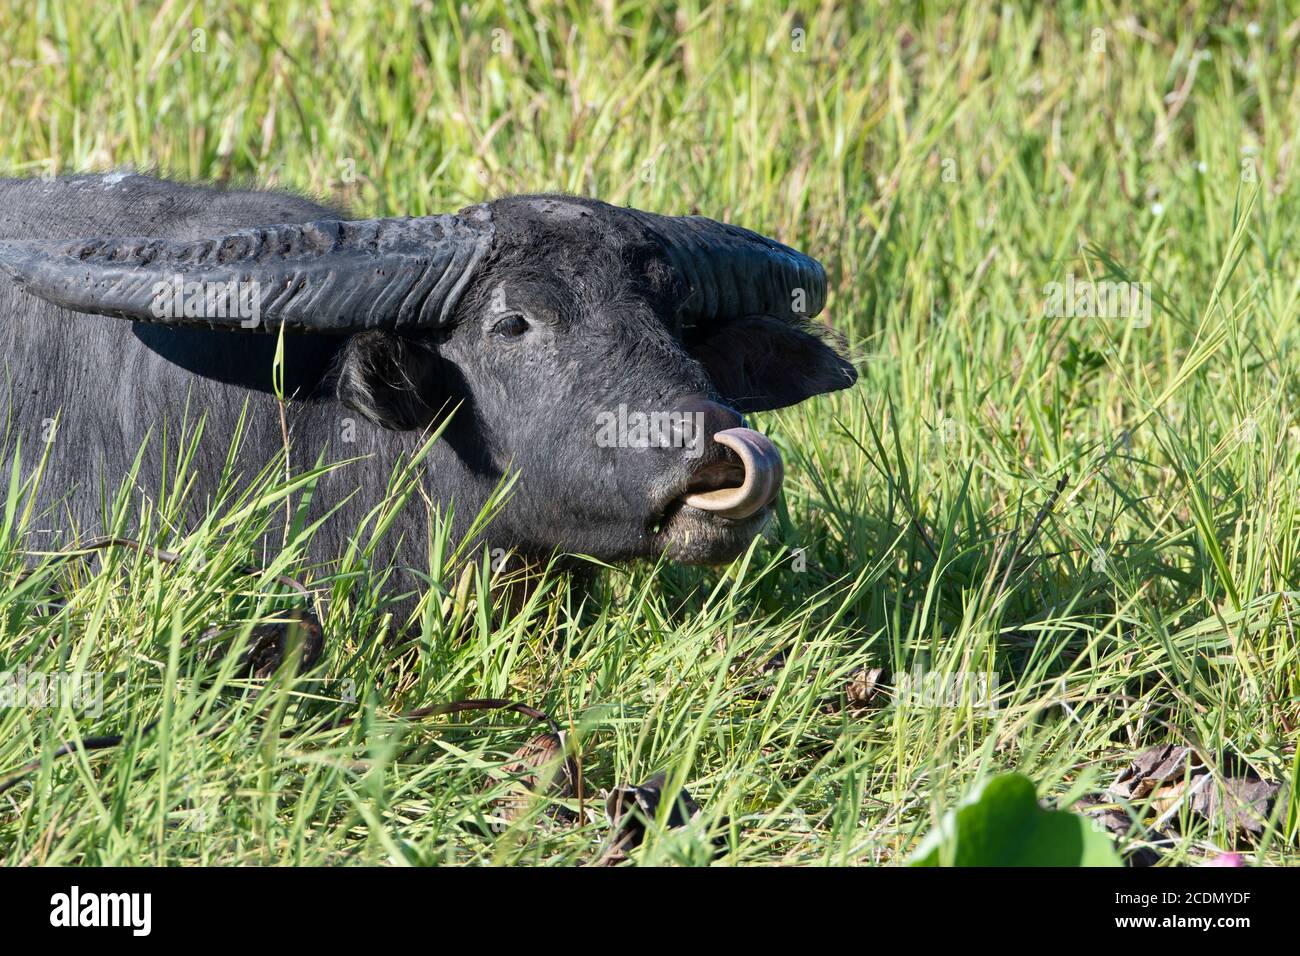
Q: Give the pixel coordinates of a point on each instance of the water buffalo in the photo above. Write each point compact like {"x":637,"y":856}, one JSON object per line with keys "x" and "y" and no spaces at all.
{"x":603,"y":354}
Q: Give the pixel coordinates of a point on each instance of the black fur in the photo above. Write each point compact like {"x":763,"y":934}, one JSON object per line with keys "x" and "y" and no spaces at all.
{"x":601,"y":330}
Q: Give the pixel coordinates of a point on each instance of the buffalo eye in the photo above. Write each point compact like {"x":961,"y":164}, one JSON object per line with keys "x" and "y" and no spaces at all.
{"x":511,"y":327}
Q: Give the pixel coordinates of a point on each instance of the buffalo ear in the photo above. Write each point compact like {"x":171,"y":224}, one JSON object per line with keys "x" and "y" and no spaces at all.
{"x":396,"y":382}
{"x":760,"y":363}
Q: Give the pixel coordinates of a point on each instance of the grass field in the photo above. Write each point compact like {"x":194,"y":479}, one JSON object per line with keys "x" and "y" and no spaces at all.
{"x":947,"y":166}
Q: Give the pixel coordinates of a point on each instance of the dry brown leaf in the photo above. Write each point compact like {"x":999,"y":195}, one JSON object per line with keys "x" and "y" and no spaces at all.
{"x":863,"y":692}
{"x":630,"y":808}
{"x":1164,"y":778}
{"x":542,"y":769}
{"x":1154,"y":768}
{"x":1244,"y":803}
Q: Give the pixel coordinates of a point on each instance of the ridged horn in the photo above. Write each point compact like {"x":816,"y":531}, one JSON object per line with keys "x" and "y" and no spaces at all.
{"x":330,"y":276}
{"x":726,"y":271}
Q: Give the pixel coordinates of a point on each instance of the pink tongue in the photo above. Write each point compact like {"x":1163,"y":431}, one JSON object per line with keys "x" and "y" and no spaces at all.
{"x":763,"y":476}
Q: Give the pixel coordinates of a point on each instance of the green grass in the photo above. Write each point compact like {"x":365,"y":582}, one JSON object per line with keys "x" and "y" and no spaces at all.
{"x":945,"y":166}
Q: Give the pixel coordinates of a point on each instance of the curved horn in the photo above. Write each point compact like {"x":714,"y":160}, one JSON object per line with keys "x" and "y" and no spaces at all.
{"x":725,"y":270}
{"x":332,"y":275}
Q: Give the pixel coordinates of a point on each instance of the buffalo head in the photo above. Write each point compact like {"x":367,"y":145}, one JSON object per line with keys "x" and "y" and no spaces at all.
{"x":604,"y":354}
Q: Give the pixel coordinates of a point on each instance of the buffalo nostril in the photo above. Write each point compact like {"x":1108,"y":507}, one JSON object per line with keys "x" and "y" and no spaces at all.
{"x":761,"y":473}
{"x":713,"y":416}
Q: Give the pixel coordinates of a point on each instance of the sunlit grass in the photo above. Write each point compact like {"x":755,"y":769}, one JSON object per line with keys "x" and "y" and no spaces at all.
{"x":945,"y":166}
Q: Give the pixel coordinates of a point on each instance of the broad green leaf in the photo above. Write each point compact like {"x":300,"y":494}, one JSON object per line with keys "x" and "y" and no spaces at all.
{"x":1002,"y":823}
